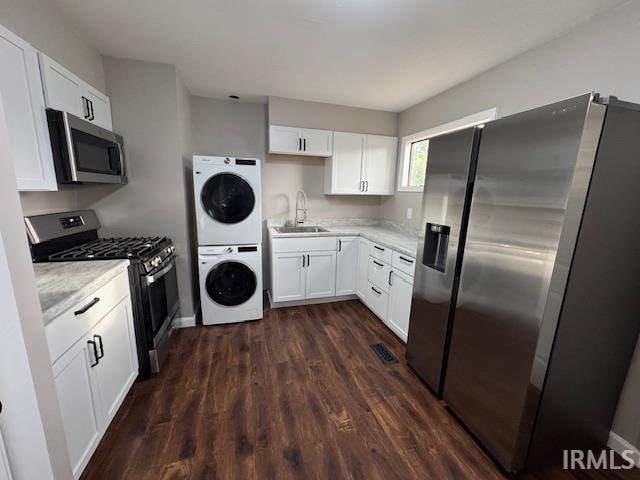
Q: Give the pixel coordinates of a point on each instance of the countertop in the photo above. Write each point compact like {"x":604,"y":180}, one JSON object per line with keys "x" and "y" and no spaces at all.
{"x":63,"y":284}
{"x":399,"y":241}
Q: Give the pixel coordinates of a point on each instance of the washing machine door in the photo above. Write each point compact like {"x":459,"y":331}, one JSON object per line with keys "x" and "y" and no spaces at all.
{"x":228,"y":198}
{"x":231,"y":283}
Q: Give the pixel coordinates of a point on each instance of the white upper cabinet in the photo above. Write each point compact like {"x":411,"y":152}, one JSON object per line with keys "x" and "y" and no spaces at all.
{"x":379,"y":174}
{"x":343,"y":171}
{"x":67,"y":92}
{"x":24,"y":111}
{"x":361,"y":165}
{"x":300,"y":141}
{"x":318,"y":143}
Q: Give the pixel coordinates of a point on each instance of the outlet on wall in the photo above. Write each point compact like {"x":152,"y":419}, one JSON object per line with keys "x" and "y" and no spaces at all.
{"x":409,"y":213}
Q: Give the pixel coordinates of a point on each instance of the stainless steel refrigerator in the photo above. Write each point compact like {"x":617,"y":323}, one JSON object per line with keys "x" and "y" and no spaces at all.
{"x":526,"y":303}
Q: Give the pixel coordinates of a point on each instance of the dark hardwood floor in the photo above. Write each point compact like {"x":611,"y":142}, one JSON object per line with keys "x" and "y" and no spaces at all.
{"x":299,"y":394}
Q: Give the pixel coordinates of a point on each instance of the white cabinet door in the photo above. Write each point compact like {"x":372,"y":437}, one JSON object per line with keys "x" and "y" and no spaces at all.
{"x":380,"y":165}
{"x":399,"y":311}
{"x":343,"y":171}
{"x":285,"y":140}
{"x":5,"y":470}
{"x":317,"y":143}
{"x":76,"y":387}
{"x":62,"y":89}
{"x":288,"y":277}
{"x":24,"y":111}
{"x":118,"y":364}
{"x":321,"y":274}
{"x":363,"y":269}
{"x":347,"y":266}
{"x":99,"y":107}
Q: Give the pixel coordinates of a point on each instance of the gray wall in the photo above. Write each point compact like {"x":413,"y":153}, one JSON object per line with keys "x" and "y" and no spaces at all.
{"x":145,"y":109}
{"x":41,"y":24}
{"x":600,"y":56}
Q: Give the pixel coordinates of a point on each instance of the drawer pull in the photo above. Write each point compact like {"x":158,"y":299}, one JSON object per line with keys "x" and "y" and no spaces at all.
{"x":378,"y":292}
{"x":407,"y":260}
{"x":378,"y":263}
{"x":87,"y":306}
{"x":378,"y":248}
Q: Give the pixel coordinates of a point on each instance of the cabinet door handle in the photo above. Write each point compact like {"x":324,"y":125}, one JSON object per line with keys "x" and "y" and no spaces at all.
{"x":366,"y":183}
{"x":308,"y":260}
{"x":339,"y":245}
{"x":299,"y":144}
{"x":390,"y":282}
{"x":304,"y":143}
{"x":99,"y":337}
{"x":378,"y":263}
{"x":95,"y":353}
{"x":93,"y":117}
{"x":85,"y":107}
{"x":87,"y":306}
{"x":304,"y":261}
{"x":378,"y":292}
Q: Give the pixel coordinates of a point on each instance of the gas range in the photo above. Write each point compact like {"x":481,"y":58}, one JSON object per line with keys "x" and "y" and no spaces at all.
{"x":150,"y":251}
{"x":73,"y":236}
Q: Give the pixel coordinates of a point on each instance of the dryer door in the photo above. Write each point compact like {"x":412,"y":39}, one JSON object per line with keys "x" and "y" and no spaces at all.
{"x":231,"y":283}
{"x":228,"y":198}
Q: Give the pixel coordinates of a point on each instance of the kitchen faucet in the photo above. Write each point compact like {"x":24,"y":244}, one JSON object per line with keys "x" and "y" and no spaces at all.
{"x":301,"y":206}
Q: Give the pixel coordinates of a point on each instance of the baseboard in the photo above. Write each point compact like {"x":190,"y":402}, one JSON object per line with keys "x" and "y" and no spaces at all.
{"x":184,"y":322}
{"x":315,"y":301}
{"x":619,"y":445}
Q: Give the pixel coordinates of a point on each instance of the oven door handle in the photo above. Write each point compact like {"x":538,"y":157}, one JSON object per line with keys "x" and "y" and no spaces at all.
{"x":149,"y":279}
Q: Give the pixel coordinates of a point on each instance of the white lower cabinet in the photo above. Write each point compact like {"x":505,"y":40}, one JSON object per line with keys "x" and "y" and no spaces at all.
{"x":289,"y":276}
{"x":347,"y":266}
{"x":362,"y":283}
{"x":399,"y":310}
{"x":95,"y":370}
{"x":377,"y":300}
{"x":303,"y":268}
{"x":321,"y":274}
{"x":77,"y":390}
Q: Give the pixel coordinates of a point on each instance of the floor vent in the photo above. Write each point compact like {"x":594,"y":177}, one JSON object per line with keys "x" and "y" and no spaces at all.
{"x":383,"y":352}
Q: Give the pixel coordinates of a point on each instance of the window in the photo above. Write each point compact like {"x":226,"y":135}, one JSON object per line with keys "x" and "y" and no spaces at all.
{"x":415,"y":150}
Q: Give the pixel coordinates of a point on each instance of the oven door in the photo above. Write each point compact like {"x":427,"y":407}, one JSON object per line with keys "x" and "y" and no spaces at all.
{"x":94,"y":154}
{"x":162,"y":295}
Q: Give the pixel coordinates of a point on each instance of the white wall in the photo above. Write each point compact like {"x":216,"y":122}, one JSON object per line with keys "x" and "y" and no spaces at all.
{"x":30,"y":420}
{"x":601,"y":56}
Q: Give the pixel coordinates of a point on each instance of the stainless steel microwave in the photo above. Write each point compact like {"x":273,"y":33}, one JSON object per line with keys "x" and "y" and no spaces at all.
{"x":84,"y":152}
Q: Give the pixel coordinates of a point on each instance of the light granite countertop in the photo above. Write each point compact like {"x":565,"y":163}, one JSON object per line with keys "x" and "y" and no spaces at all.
{"x":63,"y":284}
{"x":387,"y":237}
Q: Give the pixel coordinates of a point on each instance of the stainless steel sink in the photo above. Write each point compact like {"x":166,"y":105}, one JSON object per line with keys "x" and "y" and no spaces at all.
{"x":306,"y":229}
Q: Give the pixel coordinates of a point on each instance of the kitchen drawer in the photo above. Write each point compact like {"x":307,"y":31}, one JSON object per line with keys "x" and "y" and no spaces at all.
{"x":404,"y":263}
{"x":66,"y":329}
{"x":378,"y":273}
{"x":377,"y":301}
{"x":381,"y":253}
{"x":306,"y":244}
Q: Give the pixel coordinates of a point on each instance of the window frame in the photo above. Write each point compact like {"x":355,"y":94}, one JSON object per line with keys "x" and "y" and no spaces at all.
{"x":428,"y":134}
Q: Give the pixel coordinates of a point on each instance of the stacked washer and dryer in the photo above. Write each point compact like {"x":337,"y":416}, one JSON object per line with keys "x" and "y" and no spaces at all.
{"x":229,"y":225}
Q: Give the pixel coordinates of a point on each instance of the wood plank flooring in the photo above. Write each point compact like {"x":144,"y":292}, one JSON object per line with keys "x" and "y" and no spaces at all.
{"x":298,"y":395}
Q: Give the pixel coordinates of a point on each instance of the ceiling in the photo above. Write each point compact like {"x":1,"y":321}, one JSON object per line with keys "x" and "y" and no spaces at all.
{"x":382,"y":54}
